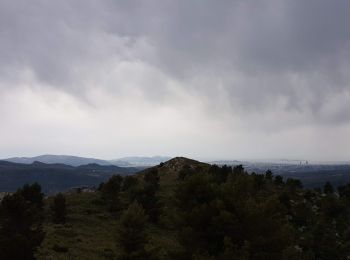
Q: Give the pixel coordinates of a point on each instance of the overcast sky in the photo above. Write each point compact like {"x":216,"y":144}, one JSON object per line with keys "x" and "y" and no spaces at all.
{"x":207,"y":79}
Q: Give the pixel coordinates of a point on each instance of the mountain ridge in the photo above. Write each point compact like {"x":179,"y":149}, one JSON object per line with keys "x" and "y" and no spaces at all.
{"x":64,"y":159}
{"x":56,"y":177}
{"x":131,"y":161}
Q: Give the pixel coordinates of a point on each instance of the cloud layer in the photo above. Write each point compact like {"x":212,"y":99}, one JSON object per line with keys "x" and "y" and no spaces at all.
{"x":233,"y":79}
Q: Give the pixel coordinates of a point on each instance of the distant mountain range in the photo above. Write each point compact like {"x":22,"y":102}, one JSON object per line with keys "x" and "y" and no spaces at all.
{"x":57,"y":177}
{"x":61,"y":172}
{"x":77,"y":161}
{"x":57,"y":173}
{"x":62,"y":159}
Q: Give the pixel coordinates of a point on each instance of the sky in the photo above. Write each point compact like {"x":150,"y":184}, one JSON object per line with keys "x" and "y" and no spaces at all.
{"x":237,"y":79}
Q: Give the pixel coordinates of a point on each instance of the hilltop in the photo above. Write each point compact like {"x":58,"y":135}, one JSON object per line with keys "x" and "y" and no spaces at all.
{"x":311,"y":176}
{"x":170,"y":170}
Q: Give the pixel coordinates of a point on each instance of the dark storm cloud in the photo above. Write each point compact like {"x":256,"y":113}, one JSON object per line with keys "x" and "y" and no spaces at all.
{"x":257,"y":55}
{"x":261,"y":51}
{"x":47,"y":38}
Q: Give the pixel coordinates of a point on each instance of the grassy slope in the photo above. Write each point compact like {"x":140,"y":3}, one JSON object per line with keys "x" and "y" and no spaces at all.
{"x":88,"y":233}
{"x":90,"y":229}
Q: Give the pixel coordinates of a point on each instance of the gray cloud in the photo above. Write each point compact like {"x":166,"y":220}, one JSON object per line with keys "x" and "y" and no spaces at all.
{"x":235,"y":60}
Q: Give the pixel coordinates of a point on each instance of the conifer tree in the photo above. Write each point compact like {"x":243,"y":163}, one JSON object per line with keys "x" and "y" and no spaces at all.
{"x":59,"y":209}
{"x":131,"y":236}
{"x":328,"y":188}
{"x":148,"y":196}
{"x":21,"y":218}
{"x":110,"y":192}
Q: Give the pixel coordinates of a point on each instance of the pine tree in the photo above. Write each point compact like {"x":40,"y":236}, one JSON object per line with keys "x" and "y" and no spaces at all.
{"x":110,"y":192}
{"x":59,"y":208}
{"x":131,"y":236}
{"x":21,"y":218}
{"x":148,"y":198}
{"x":328,"y":188}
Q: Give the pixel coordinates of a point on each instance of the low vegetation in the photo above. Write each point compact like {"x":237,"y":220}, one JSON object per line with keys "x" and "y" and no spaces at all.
{"x":181,"y":209}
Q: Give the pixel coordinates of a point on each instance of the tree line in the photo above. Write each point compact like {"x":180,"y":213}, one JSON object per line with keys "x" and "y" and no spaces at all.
{"x":226,"y":213}
{"x":209,"y":213}
{"x":21,"y":221}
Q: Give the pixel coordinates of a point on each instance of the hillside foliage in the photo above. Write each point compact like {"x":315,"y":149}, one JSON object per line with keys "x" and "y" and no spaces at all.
{"x":184,"y":210}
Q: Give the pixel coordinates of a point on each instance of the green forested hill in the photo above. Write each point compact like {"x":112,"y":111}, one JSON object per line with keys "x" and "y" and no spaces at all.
{"x":91,"y":228}
{"x":184,"y":209}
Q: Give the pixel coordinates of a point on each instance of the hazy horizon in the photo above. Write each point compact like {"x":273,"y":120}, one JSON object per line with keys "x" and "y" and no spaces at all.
{"x":226,"y":80}
{"x":203,"y":159}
